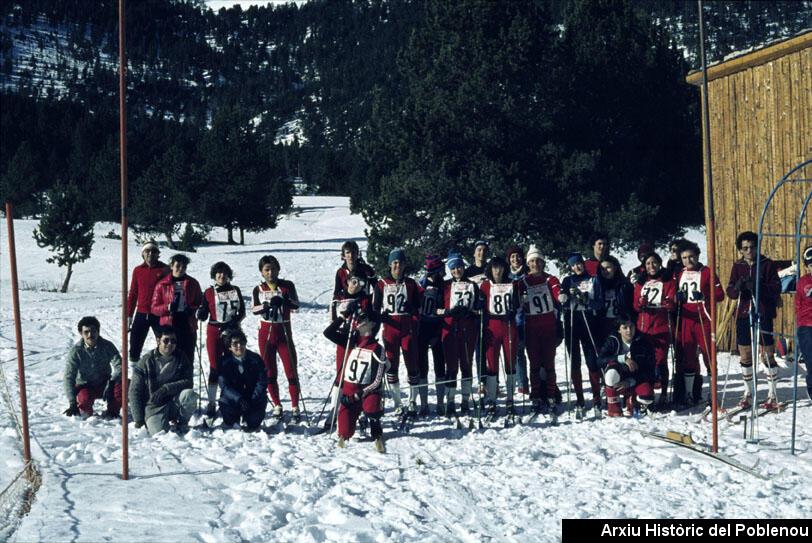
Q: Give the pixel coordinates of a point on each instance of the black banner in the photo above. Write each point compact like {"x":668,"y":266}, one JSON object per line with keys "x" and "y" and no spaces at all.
{"x":743,"y":530}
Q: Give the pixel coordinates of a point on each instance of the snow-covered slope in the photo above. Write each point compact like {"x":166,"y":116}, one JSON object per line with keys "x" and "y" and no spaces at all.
{"x":435,"y":484}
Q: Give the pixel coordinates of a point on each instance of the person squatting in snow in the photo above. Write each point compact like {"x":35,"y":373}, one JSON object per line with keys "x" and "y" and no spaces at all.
{"x":224,"y":307}
{"x":92,"y":371}
{"x":161,"y":390}
{"x":362,"y":372}
{"x":627,"y":360}
{"x":273,"y":300}
{"x":242,"y":379}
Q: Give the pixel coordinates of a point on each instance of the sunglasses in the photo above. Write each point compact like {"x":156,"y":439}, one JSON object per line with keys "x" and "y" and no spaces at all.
{"x":747,"y":247}
{"x":357,"y":282}
{"x":238,"y":344}
{"x":169,"y":341}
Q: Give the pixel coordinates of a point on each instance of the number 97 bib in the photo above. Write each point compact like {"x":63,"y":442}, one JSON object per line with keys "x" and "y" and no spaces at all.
{"x":359,"y":367}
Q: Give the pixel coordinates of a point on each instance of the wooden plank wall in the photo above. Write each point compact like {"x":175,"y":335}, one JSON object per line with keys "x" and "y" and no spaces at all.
{"x":761,"y":127}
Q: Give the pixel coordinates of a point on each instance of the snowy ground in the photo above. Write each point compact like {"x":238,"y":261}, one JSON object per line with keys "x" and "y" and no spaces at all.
{"x":435,"y":484}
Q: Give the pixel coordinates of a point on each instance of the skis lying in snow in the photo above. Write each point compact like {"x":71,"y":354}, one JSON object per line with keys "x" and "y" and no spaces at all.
{"x":761,"y":411}
{"x":676,"y":438}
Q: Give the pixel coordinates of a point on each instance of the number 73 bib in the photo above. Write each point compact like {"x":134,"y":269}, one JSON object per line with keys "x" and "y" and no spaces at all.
{"x":462,"y":295}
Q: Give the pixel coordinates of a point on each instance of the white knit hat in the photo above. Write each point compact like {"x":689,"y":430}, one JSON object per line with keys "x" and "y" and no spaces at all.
{"x":533,"y":252}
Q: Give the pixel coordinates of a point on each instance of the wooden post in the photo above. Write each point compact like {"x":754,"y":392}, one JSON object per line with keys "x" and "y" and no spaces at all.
{"x":122,"y":88}
{"x":15,"y":296}
{"x":711,"y":232}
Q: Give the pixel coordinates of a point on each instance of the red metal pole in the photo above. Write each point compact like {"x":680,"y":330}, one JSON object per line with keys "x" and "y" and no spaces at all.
{"x":710,"y":226}
{"x":122,"y":104}
{"x":15,"y":296}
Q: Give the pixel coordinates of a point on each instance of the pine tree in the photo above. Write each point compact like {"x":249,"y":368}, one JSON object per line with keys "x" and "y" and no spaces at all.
{"x":66,"y":228}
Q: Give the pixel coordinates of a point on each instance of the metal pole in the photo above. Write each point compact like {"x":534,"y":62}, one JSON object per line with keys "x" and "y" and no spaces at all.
{"x":122,"y":88}
{"x":711,"y":232}
{"x":15,"y":295}
{"x":798,"y":275}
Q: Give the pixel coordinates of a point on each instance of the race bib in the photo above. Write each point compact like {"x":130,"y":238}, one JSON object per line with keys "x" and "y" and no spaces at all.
{"x":478,"y":279}
{"x":359,"y":367}
{"x":501,"y":297}
{"x":429,"y":305}
{"x":277,"y":314}
{"x":462,"y":295}
{"x":394,"y":298}
{"x":689,"y":282}
{"x":653,"y":292}
{"x":611,"y":303}
{"x":179,"y":295}
{"x":226,"y":305}
{"x":539,"y":299}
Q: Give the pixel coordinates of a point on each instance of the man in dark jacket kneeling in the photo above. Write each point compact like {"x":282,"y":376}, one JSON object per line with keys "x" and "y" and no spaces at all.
{"x":627,"y":359}
{"x":242,"y":384}
{"x":161,"y":390}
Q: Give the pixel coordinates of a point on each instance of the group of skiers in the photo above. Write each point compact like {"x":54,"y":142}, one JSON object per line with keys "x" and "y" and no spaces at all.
{"x":502,"y":316}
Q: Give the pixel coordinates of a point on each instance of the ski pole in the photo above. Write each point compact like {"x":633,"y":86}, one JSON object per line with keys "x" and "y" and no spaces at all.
{"x":199,"y":362}
{"x":324,"y":405}
{"x":567,"y":356}
{"x":727,"y":375}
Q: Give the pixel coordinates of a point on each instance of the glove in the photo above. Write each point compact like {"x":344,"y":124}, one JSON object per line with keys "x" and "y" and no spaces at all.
{"x":697,"y":296}
{"x":668,"y":303}
{"x":350,"y":308}
{"x":634,"y":277}
{"x":681,"y":296}
{"x":582,"y":297}
{"x":173,"y":306}
{"x":129,"y":323}
{"x":202,"y":313}
{"x":277,"y":301}
{"x":139,"y":424}
{"x":109,"y":391}
{"x":642,"y":302}
{"x":72,"y":411}
{"x":749,"y":284}
{"x":244,"y":405}
{"x":562,"y":298}
{"x":348,"y":400}
{"x":266,"y":311}
{"x":159,"y":396}
{"x":573,"y":292}
{"x":510,"y":313}
{"x":458,"y":311}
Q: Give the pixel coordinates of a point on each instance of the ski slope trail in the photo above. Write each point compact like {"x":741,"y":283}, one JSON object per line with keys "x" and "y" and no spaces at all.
{"x":435,"y":483}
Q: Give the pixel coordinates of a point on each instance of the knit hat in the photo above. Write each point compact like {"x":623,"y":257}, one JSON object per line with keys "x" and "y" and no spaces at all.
{"x":397,"y":254}
{"x":611,"y":377}
{"x":808,"y":256}
{"x":454,"y":260}
{"x":644,"y":249}
{"x":149,"y":244}
{"x":533,"y":252}
{"x":433,"y":263}
{"x":574,"y":258}
{"x":513,"y":251}
{"x":480,"y":242}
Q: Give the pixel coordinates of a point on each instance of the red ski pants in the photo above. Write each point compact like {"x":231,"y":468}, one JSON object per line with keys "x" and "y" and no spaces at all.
{"x":86,"y":395}
{"x":501,"y":336}
{"x":401,"y":334}
{"x":280,"y":340}
{"x":348,"y":416}
{"x":540,"y":341}
{"x":640,"y":393}
{"x":660,"y":342}
{"x":216,"y":349}
{"x":693,"y":334}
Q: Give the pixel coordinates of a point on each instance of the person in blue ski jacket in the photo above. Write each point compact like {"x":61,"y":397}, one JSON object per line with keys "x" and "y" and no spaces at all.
{"x":582,"y":300}
{"x":242,"y":379}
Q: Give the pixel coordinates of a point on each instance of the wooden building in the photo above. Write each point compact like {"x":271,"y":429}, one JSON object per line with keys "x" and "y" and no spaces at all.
{"x":760,"y":112}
